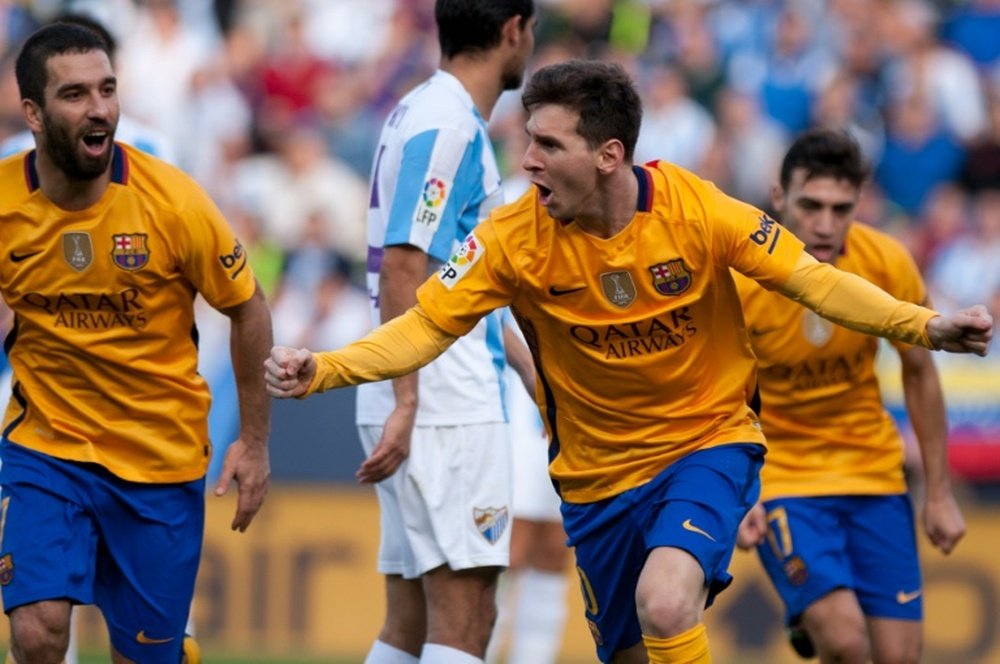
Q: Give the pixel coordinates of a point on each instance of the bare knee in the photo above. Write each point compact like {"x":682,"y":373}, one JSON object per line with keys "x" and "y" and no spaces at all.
{"x":461,"y":607}
{"x":667,"y":611}
{"x":842,"y":645}
{"x":39,"y":632}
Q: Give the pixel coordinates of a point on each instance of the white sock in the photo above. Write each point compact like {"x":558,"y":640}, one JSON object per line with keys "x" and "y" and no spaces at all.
{"x":435,"y":653}
{"x":507,"y":589}
{"x":540,"y":618}
{"x":383,"y":653}
{"x":72,"y":651}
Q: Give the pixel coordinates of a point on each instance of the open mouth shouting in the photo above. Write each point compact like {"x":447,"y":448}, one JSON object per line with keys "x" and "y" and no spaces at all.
{"x":96,"y":142}
{"x":544,"y":194}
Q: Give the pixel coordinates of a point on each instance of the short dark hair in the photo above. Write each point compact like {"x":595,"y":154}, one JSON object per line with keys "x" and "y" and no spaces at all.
{"x":471,"y":26}
{"x":825,"y":153}
{"x":53,"y":39}
{"x":600,"y":92}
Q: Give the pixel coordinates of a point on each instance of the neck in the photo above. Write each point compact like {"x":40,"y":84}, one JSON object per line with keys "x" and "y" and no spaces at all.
{"x":481,"y":76}
{"x":66,"y":192}
{"x":615,"y":203}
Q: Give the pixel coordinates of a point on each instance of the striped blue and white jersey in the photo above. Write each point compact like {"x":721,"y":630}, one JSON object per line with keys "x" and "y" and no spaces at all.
{"x":434,"y":177}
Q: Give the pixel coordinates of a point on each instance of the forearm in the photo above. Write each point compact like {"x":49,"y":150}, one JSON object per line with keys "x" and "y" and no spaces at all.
{"x":396,"y":348}
{"x":926,"y":409}
{"x":250,"y":343}
{"x":405,"y":268}
{"x":849,"y":300}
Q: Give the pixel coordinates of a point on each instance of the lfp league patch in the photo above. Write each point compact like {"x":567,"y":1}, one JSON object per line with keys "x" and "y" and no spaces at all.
{"x":463,"y":260}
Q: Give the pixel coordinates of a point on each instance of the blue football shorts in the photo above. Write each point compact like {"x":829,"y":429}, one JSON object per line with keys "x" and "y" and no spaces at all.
{"x":866,"y":544}
{"x":74,"y":531}
{"x":696,"y":505}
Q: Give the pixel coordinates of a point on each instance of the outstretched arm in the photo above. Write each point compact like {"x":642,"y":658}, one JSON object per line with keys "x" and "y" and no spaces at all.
{"x":942,"y":517}
{"x":849,"y":300}
{"x":396,"y":348}
{"x":246,"y":460}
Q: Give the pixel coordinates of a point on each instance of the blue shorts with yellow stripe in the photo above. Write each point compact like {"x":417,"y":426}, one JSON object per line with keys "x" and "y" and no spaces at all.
{"x":74,"y":531}
{"x":866,"y":544}
{"x":696,"y":505}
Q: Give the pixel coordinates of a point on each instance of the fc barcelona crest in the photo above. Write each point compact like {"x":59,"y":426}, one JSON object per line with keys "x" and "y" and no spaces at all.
{"x":6,"y":569}
{"x":78,"y":250}
{"x":130,"y":251}
{"x":491,"y":522}
{"x":619,"y":288}
{"x":671,"y":278}
{"x":796,"y":571}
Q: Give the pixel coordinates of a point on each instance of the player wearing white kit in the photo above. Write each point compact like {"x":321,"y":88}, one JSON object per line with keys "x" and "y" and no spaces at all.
{"x":437,"y":442}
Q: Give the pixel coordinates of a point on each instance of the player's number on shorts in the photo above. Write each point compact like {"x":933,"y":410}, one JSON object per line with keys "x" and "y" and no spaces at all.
{"x":779,"y":536}
{"x":589,"y":598}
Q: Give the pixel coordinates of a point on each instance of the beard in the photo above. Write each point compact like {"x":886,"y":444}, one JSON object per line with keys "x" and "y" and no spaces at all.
{"x":63,"y":150}
{"x":512,"y":76}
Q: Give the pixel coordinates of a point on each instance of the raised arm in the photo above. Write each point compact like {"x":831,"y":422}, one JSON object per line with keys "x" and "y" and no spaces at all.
{"x":396,"y":348}
{"x":851,"y":301}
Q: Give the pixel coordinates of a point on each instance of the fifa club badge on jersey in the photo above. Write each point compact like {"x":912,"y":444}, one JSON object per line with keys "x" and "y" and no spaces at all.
{"x":6,"y":568}
{"x":466,"y":256}
{"x":130,"y":251}
{"x":795,"y":570}
{"x":816,"y":329}
{"x":619,"y":288}
{"x":671,"y":278}
{"x":491,"y":522}
{"x":78,"y":250}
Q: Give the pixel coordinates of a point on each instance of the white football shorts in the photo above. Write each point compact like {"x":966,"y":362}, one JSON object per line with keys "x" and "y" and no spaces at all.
{"x":535,"y":499}
{"x":448,"y":503}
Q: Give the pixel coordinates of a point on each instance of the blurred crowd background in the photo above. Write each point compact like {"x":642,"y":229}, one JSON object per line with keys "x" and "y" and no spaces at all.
{"x":274,"y":106}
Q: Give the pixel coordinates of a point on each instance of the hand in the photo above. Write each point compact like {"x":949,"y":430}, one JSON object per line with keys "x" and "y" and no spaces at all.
{"x":753,"y":528}
{"x":250,"y":467}
{"x":393,"y":448}
{"x":289,"y":371}
{"x":966,"y":331}
{"x":943,"y":522}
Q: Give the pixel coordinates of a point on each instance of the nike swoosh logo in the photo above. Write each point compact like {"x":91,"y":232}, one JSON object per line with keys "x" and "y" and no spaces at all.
{"x":17,"y":258}
{"x":142,"y":638}
{"x":906,"y":598}
{"x":687,"y":525}
{"x":564,"y":291}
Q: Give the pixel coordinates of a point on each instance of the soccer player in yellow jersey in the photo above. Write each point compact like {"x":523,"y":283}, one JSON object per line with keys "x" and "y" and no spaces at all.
{"x":619,"y":277}
{"x":105,"y":444}
{"x":835,"y":528}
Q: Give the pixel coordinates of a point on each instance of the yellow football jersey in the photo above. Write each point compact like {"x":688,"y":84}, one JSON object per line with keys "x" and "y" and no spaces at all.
{"x":104,"y":344}
{"x":639,"y":341}
{"x":827,"y":430}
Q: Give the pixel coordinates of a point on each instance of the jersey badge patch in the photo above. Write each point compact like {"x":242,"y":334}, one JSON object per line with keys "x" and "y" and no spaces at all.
{"x":816,"y":329}
{"x":78,"y":250}
{"x":619,"y":288}
{"x":6,"y":569}
{"x":130,"y":250}
{"x":796,"y":571}
{"x":491,"y":522}
{"x":432,"y":201}
{"x":463,"y":260}
{"x":671,"y":278}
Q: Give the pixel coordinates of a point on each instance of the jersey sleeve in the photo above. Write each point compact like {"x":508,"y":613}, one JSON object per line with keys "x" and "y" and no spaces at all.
{"x":749,"y":241}
{"x":476,"y":280}
{"x":436,"y":177}
{"x":212,"y":257}
{"x":903,"y":280}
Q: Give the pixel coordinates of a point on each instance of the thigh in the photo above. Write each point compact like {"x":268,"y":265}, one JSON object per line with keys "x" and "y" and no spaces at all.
{"x":896,"y":640}
{"x":805,"y":551}
{"x":49,"y":538}
{"x":456,"y":498}
{"x":147,"y":564}
{"x":882,"y":546}
{"x":700,"y":504}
